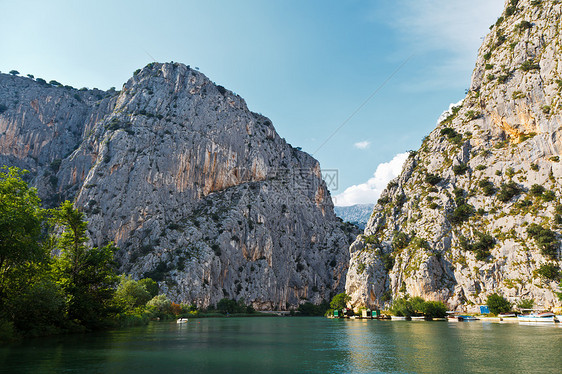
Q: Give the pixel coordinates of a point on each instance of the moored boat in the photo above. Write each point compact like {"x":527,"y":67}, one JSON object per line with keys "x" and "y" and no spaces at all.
{"x":461,"y":318}
{"x":182,"y":320}
{"x":397,"y":318}
{"x":546,"y":317}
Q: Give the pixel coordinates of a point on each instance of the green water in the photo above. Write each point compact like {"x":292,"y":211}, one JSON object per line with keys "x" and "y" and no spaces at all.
{"x":296,"y":345}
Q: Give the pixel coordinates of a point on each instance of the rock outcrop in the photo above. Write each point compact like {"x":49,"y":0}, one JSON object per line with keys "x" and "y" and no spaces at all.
{"x":199,"y":193}
{"x":477,"y":209}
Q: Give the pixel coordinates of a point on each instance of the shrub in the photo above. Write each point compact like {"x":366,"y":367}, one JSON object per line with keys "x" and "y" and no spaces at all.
{"x":523,"y":25}
{"x":534,"y":167}
{"x":452,"y":135}
{"x":432,"y":179}
{"x":545,"y":239}
{"x":487,"y":187}
{"x":400,"y":240}
{"x":550,"y":271}
{"x":536,"y":190}
{"x":529,"y":65}
{"x":549,"y":196}
{"x":471,"y":114}
{"x":3,"y":108}
{"x":508,"y":191}
{"x":460,"y":169}
{"x":481,"y":247}
{"x":498,"y":304}
{"x":384,"y":200}
{"x":462,"y":213}
{"x":480,"y":167}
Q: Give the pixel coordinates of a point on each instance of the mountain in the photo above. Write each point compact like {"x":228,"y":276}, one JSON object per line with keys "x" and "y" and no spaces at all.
{"x":357,"y":214}
{"x":198,"y":192}
{"x":476,"y":210}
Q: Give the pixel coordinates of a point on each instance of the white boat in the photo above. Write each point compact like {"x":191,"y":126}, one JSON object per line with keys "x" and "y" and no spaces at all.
{"x":182,"y":320}
{"x":559,"y":317}
{"x":397,"y":318}
{"x":417,"y":318}
{"x":546,"y":317}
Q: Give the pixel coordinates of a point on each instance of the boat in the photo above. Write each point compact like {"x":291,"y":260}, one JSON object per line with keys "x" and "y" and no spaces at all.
{"x":545,"y":317}
{"x":182,"y":320}
{"x":417,"y":318}
{"x":508,"y":316}
{"x":461,"y":318}
{"x":397,"y":318}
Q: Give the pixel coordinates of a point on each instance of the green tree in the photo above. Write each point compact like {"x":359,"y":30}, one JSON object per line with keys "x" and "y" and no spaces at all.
{"x":150,"y":285}
{"x":417,"y":305}
{"x":161,"y":305}
{"x":86,"y":275}
{"x":131,"y":294}
{"x":434,"y":309}
{"x":402,"y":307}
{"x":340,"y":301}
{"x":498,"y":304}
{"x":21,"y":219}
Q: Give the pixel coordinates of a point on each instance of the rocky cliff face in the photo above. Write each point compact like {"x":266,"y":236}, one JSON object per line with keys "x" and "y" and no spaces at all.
{"x":199,"y":193}
{"x":477,"y":209}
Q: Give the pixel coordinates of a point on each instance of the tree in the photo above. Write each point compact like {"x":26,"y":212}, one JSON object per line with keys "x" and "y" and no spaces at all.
{"x":14,"y":72}
{"x":150,"y":285}
{"x":161,"y":305}
{"x":340,"y":301}
{"x":21,"y":218}
{"x":402,"y":307}
{"x":417,"y":305}
{"x":86,"y":275}
{"x":131,"y":294}
{"x":434,"y":309}
{"x":498,"y":304}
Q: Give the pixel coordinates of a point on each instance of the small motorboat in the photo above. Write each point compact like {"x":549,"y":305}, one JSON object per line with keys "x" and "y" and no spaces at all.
{"x":182,"y":320}
{"x":398,"y":318}
{"x":417,"y":318}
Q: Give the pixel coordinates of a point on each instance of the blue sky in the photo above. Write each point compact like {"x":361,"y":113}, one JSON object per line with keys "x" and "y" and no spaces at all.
{"x":308,"y":65}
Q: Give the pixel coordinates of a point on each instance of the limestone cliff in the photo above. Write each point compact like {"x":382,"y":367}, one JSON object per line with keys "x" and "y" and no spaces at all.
{"x":477,"y":209}
{"x":199,"y":193}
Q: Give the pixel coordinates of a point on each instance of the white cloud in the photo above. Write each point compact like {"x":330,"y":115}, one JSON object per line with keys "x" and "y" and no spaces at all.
{"x":362,"y":145}
{"x":449,"y":111}
{"x":369,"y":192}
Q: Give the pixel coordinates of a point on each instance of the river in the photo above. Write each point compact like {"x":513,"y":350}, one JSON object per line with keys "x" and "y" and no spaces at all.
{"x":296,"y":345}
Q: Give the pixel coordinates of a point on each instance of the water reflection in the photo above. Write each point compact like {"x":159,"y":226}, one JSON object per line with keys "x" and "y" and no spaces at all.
{"x":295,"y":345}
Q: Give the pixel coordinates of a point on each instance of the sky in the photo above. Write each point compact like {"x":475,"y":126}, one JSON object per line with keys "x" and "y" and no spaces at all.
{"x":355,"y":83}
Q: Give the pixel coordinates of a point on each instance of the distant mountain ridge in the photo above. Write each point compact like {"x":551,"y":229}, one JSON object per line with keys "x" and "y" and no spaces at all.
{"x":358,"y":214}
